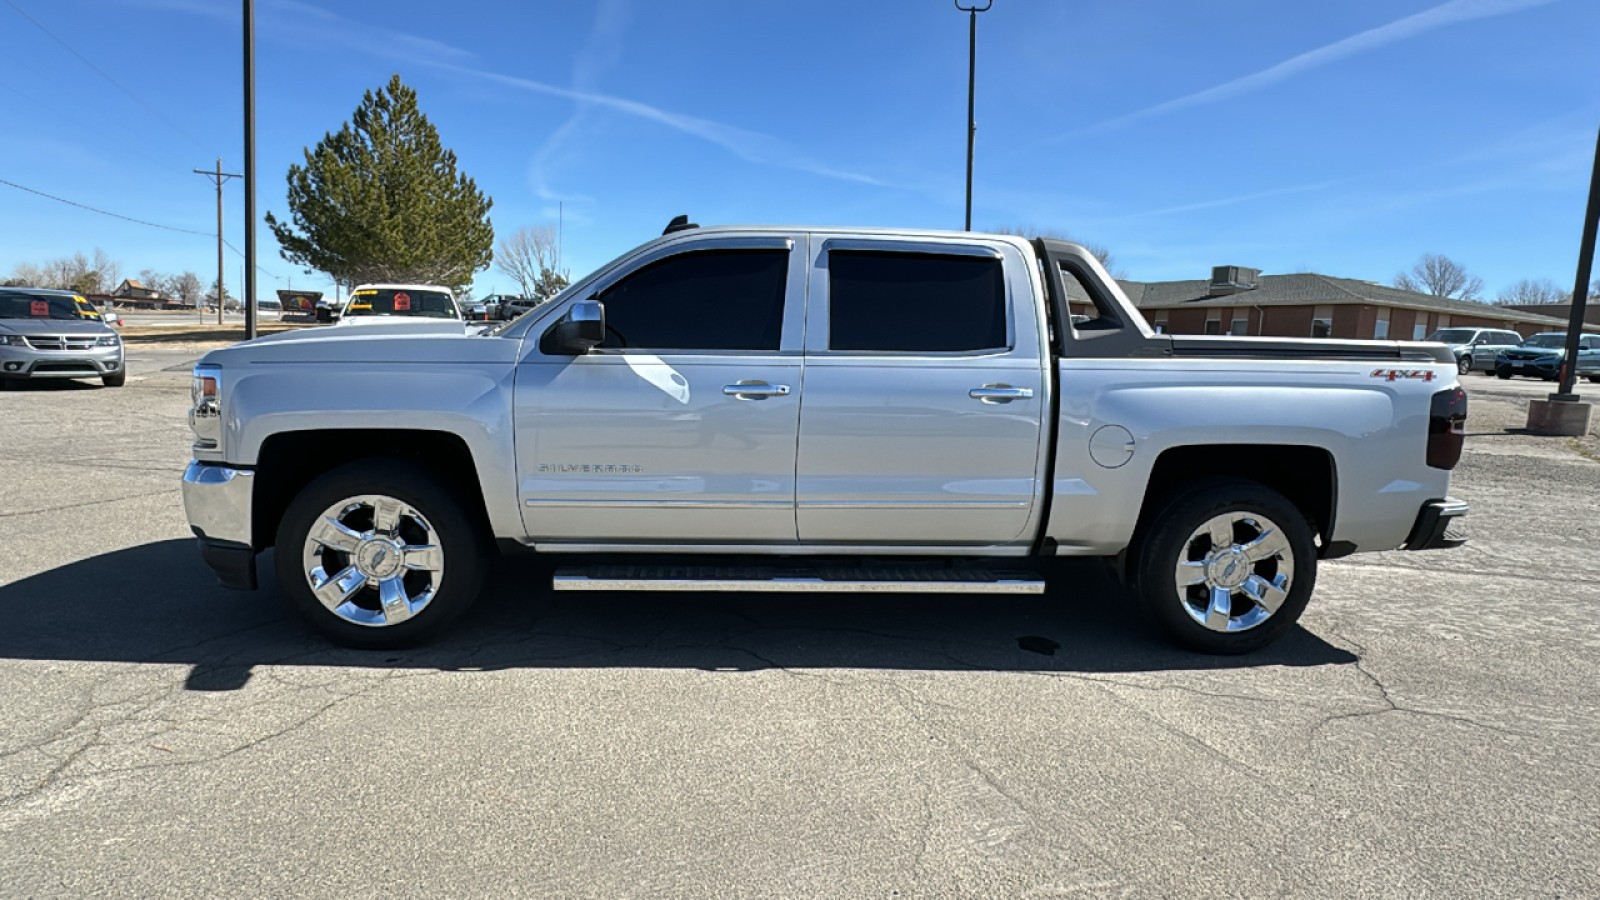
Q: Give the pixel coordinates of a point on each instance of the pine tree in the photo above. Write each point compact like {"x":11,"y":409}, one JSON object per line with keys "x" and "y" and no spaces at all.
{"x":381,"y":200}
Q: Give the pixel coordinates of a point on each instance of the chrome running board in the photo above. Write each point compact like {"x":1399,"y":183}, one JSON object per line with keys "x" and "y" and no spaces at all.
{"x":786,"y":581}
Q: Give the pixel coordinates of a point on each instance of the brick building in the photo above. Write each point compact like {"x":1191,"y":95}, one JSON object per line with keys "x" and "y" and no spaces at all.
{"x":1242,"y":301}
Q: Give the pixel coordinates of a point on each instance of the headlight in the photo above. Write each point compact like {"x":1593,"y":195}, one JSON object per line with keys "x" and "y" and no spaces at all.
{"x":205,"y":408}
{"x":108,"y":340}
{"x":14,"y":339}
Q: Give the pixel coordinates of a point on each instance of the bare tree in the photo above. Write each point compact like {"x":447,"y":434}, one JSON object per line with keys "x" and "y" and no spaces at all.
{"x":188,"y":288}
{"x":1532,"y":291}
{"x":527,"y":255}
{"x":1440,"y":276}
{"x":27,"y":275}
{"x":1100,"y":251}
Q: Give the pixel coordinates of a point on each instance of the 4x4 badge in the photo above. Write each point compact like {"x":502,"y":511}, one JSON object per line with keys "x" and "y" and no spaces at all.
{"x":1397,"y":374}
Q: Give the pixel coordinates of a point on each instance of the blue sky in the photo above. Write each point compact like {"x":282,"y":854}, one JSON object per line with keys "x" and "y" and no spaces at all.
{"x":1344,"y":138}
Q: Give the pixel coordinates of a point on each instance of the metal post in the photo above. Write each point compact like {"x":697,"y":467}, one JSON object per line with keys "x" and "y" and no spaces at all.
{"x":1580,"y":289}
{"x":249,"y":169}
{"x":972,"y":82}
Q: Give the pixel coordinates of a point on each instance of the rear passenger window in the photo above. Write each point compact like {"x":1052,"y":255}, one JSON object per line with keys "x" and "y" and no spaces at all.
{"x":703,"y":300}
{"x":915,"y":302}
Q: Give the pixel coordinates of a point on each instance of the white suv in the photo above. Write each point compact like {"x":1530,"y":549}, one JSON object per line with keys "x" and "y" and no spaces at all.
{"x":400,"y":303}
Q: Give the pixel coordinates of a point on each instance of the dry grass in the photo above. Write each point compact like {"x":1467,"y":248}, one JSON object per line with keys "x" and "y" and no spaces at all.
{"x":195,"y":333}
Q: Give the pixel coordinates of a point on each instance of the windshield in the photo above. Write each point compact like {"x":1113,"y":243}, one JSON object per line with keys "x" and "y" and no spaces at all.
{"x":402,"y":302}
{"x":1546,"y":340}
{"x":16,"y":305}
{"x":1452,"y":335}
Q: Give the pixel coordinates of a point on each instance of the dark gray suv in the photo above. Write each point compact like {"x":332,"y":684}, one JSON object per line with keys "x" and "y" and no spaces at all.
{"x":56,"y":334}
{"x":1475,"y":348}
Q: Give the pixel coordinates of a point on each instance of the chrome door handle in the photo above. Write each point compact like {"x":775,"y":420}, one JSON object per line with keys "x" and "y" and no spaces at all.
{"x":755,"y":390}
{"x":1000,"y":393}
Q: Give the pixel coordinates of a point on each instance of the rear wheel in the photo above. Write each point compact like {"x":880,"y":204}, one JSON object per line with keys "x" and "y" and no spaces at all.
{"x":379,"y":554}
{"x":1226,"y":568}
{"x":1464,"y":365}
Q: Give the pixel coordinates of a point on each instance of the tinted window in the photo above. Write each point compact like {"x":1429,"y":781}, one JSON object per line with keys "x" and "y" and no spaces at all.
{"x":401,"y":302}
{"x":705,"y":300}
{"x":915,"y":302}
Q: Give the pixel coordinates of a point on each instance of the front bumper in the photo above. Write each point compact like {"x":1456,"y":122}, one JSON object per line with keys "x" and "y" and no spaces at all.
{"x":1542,"y":366}
{"x":1439,"y":525}
{"x":217,"y":500}
{"x":27,"y":362}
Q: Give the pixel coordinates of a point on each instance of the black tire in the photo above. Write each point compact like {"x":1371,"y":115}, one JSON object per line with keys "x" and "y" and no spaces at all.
{"x":464,"y":560}
{"x":1172,"y":531}
{"x":1503,"y":373}
{"x":1593,"y":379}
{"x":115,"y":379}
{"x":1464,"y":365}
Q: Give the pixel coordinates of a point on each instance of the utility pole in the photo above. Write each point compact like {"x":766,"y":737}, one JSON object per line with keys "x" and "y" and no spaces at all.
{"x":219,"y":177}
{"x":972,"y":82}
{"x":249,"y":169}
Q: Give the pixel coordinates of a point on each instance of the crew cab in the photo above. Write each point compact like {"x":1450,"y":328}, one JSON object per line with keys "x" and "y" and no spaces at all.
{"x":820,"y":409}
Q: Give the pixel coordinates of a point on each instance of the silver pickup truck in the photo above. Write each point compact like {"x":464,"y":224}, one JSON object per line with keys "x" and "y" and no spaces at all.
{"x":797,"y":409}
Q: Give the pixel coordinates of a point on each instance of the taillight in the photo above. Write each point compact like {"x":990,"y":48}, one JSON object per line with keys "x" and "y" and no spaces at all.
{"x":1447,"y":428}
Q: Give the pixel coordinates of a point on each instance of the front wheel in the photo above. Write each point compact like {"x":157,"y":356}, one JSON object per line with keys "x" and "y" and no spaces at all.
{"x":1503,"y":372}
{"x":1226,"y":568}
{"x":379,"y":554}
{"x":115,"y":379}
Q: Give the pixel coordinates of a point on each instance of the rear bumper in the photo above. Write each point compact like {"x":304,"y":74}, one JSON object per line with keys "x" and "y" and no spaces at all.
{"x":1439,"y":525}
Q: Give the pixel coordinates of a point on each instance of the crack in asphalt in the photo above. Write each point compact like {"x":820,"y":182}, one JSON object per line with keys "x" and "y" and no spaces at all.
{"x":86,"y":503}
{"x":1390,"y":705}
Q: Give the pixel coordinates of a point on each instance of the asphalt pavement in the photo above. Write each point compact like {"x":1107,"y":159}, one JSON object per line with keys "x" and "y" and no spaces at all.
{"x":1432,"y":728}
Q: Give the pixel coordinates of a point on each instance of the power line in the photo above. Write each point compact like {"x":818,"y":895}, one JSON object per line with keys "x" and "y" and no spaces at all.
{"x":102,"y":73}
{"x":102,"y":212}
{"x":259,"y":267}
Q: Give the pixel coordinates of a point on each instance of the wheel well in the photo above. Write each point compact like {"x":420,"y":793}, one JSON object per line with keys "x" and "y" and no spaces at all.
{"x":290,"y":460}
{"x":1306,"y":476}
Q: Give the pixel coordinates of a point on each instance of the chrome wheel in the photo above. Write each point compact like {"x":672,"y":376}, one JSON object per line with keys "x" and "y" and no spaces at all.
{"x":373,"y":560}
{"x":1235,"y":572}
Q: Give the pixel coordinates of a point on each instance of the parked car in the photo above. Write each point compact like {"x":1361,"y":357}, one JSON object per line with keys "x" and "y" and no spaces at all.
{"x":399,"y":304}
{"x":1540,"y":356}
{"x":1475,"y":348}
{"x":474,"y":310}
{"x":328,"y":310}
{"x":509,"y":306}
{"x":852,"y":410}
{"x":56,"y":334}
{"x":1589,"y":362}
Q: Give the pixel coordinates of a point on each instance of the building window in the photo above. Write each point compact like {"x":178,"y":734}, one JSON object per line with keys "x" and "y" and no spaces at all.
{"x":1380,"y":331}
{"x":1420,"y":329}
{"x":1322,"y":321}
{"x":1214,"y":322}
{"x":1160,"y":323}
{"x":1241,"y":326}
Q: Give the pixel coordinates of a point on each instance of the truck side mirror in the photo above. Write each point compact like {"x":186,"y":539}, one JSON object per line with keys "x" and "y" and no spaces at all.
{"x":582,"y":328}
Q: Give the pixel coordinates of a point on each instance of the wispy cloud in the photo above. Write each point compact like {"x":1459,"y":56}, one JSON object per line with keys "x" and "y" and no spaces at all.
{"x":1401,"y":29}
{"x":747,"y":145}
{"x":604,"y":48}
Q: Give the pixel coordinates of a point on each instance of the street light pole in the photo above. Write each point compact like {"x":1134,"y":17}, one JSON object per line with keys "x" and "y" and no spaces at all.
{"x":1580,"y":288}
{"x":249,"y":280}
{"x":972,"y":81}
